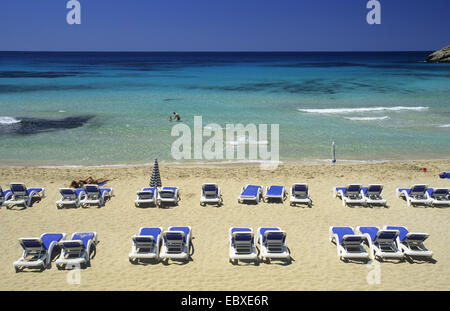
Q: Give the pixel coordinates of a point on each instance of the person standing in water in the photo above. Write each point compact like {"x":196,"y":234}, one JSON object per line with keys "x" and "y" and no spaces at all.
{"x":176,"y":116}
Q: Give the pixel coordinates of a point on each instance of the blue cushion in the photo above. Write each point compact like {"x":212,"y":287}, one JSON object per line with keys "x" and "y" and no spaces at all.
{"x":300,"y":188}
{"x":371,"y":231}
{"x":341,"y":231}
{"x":343,"y":189}
{"x":275,"y":190}
{"x":251,"y":191}
{"x":48,"y":238}
{"x":154,"y":232}
{"x":85,"y":237}
{"x":183,"y":229}
{"x":403,"y":231}
{"x":262,"y":231}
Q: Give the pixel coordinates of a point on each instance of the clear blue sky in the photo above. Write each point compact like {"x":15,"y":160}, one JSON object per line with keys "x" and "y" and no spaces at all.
{"x":224,"y":25}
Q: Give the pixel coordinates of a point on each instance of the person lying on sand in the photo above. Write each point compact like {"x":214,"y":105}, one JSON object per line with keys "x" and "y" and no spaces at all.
{"x":79,"y":183}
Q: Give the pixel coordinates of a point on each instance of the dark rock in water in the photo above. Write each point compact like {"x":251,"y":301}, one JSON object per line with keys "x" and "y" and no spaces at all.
{"x":28,"y":126}
{"x":441,"y":56}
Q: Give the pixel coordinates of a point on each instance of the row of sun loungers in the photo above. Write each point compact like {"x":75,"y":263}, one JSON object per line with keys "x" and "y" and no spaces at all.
{"x":394,"y":242}
{"x":271,"y":241}
{"x":154,"y":243}
{"x":155,"y":196}
{"x":371,"y":195}
{"x":299,"y":194}
{"x":38,"y":252}
{"x":19,"y":194}
{"x":151,"y":243}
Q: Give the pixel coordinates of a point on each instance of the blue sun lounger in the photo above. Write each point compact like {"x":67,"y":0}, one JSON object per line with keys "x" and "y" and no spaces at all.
{"x":272,"y":242}
{"x":275,"y":192}
{"x":382,"y":243}
{"x":169,"y":195}
{"x":412,"y":244}
{"x":210,"y":194}
{"x":76,"y":252}
{"x":96,"y":195}
{"x":146,"y":196}
{"x":300,"y":195}
{"x":176,"y":243}
{"x":349,"y":245}
{"x":4,"y":195}
{"x":242,"y":245}
{"x":417,"y":194}
{"x":372,"y":194}
{"x":70,"y":197}
{"x":250,"y":193}
{"x":37,"y":252}
{"x":21,"y":195}
{"x":350,"y":194}
{"x":146,"y":244}
{"x":438,"y":196}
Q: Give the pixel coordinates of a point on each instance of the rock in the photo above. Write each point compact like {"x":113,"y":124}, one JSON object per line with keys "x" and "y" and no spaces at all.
{"x":441,"y":56}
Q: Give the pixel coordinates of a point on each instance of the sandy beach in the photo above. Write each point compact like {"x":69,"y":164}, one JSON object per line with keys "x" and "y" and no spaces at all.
{"x":315,"y":265}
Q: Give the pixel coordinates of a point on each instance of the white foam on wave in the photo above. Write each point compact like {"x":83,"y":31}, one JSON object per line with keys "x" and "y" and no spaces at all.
{"x":242,"y":140}
{"x":8,"y":120}
{"x":444,"y":125}
{"x":367,"y":118}
{"x":365,"y":109}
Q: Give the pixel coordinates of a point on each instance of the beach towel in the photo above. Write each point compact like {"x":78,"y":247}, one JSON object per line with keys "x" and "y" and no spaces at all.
{"x":444,"y":175}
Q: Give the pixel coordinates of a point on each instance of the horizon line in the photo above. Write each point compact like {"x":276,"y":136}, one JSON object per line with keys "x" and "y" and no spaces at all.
{"x":213,"y":51}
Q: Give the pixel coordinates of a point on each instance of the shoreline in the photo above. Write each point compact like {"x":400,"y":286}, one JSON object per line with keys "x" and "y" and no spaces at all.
{"x":221,"y":163}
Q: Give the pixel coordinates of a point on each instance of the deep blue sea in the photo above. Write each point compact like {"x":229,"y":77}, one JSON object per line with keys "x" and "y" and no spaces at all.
{"x":113,"y":108}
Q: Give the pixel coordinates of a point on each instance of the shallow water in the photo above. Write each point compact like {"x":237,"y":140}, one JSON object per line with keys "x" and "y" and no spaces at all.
{"x":375,"y":106}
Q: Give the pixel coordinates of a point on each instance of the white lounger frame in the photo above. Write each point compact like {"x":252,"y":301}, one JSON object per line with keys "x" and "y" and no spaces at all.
{"x":372,"y":198}
{"x":302,"y":198}
{"x":413,"y":249}
{"x":182,"y":248}
{"x":70,"y":199}
{"x":411,"y":198}
{"x":207,"y":199}
{"x":82,"y":254}
{"x":96,"y":199}
{"x":439,"y":201}
{"x":272,"y":249}
{"x":139,"y":200}
{"x":23,"y":198}
{"x":383,"y":248}
{"x":42,"y":256}
{"x":153,"y":247}
{"x":345,"y":199}
{"x":174,"y":199}
{"x":4,"y":197}
{"x":348,"y":250}
{"x":234,"y":254}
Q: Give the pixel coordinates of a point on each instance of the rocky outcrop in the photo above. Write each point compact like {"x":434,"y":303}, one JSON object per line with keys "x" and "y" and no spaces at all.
{"x":441,"y":56}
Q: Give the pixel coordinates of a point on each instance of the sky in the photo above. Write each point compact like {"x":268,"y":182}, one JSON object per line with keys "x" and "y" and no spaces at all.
{"x":224,"y":25}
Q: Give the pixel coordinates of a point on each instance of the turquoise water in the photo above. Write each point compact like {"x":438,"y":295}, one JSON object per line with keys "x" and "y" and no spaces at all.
{"x":375,"y":106}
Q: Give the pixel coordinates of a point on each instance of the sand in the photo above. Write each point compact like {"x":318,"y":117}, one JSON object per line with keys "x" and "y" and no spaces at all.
{"x":315,"y":264}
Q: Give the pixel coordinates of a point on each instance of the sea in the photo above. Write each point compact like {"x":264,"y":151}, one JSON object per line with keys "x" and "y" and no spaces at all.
{"x":113,"y":108}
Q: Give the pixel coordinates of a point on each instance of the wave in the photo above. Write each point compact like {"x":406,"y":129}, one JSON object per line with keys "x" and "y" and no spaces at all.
{"x":444,"y":125}
{"x":242,"y":140}
{"x":8,"y":120}
{"x":367,"y":118}
{"x":365,"y":109}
